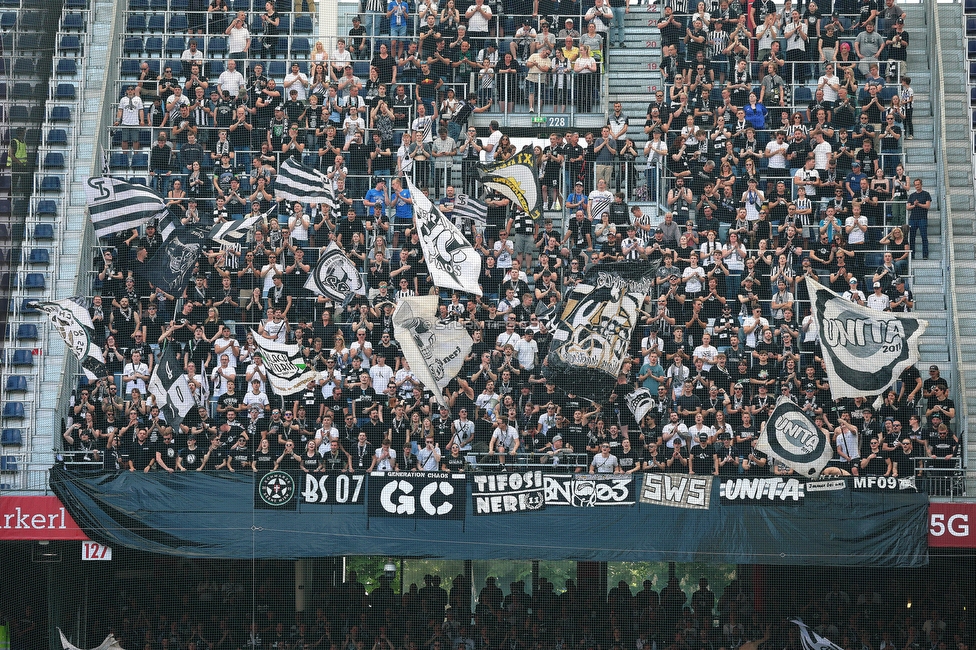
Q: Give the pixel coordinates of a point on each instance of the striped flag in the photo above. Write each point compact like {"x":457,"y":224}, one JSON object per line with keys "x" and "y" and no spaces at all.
{"x":466,"y":207}
{"x":297,"y":182}
{"x":167,"y":225}
{"x":117,"y":206}
{"x":231,"y":233}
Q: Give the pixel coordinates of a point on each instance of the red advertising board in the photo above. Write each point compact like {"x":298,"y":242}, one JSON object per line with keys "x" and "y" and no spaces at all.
{"x":36,"y":518}
{"x":952,"y":525}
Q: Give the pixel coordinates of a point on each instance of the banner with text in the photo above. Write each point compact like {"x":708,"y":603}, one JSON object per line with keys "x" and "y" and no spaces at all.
{"x":587,"y":491}
{"x":677,"y":490}
{"x":334,"y":489}
{"x":755,"y":491}
{"x":492,"y":494}
{"x":36,"y":518}
{"x":433,"y":495}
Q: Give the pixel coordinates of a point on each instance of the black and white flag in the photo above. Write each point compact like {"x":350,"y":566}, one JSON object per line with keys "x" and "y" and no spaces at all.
{"x":116,"y":206}
{"x":864,"y":350}
{"x":288,"y":372}
{"x":297,"y":182}
{"x":435,"y":350}
{"x":170,"y":267}
{"x":452,"y":261}
{"x":336,"y":276}
{"x":232,"y":233}
{"x":596,"y":319}
{"x":171,"y":387}
{"x":813,"y":641}
{"x":517,"y":179}
{"x":640,"y":402}
{"x":73,"y":322}
{"x":792,"y":437}
{"x":468,"y":207}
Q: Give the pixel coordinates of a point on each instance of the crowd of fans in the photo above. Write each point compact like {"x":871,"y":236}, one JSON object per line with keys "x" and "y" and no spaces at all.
{"x":214,"y":611}
{"x":726,"y":331}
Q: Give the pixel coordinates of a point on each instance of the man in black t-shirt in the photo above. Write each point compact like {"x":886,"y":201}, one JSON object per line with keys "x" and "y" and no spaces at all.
{"x":141,"y":454}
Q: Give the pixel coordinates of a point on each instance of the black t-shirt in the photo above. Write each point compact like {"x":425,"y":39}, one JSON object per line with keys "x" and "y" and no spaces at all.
{"x":141,"y":454}
{"x":702,"y":459}
{"x":192,"y":458}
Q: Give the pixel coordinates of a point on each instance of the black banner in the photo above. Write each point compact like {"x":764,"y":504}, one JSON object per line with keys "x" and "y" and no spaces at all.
{"x":753,"y":491}
{"x":587,"y":491}
{"x":276,"y":490}
{"x":493,"y":494}
{"x":334,"y":489}
{"x":432,"y":495}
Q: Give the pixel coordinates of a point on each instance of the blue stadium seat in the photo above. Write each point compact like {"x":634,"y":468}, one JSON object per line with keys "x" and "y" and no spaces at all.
{"x":284,"y":25}
{"x":135,"y":23}
{"x":178,"y":23}
{"x":154,"y":46}
{"x":132,"y":45}
{"x":50,"y":184}
{"x":158,"y":5}
{"x":138,"y":180}
{"x":118,"y":161}
{"x":73,"y":23}
{"x":971,"y":48}
{"x":27,"y":332}
{"x":28,"y":42}
{"x":66,"y":91}
{"x":175,"y":46}
{"x":76,"y":4}
{"x":19,"y":113}
{"x":217,"y":46}
{"x":31,"y":21}
{"x":138,"y":5}
{"x":179,"y":5}
{"x":970,"y":26}
{"x":303,"y":25}
{"x":12,"y":437}
{"x":24,"y":67}
{"x":970,"y":6}
{"x":276,"y":69}
{"x":60,"y":114}
{"x":44,"y":232}
{"x":39,"y":256}
{"x":5,"y":212}
{"x":282,"y":48}
{"x":214,"y":68}
{"x":70,"y":44}
{"x":140,"y":160}
{"x":22,"y":358}
{"x":35,"y":282}
{"x":57,"y":138}
{"x":54,"y":160}
{"x":129,"y":68}
{"x":27,"y":307}
{"x":157,"y":23}
{"x":46,"y":208}
{"x":22,"y":90}
{"x":67,"y":67}
{"x":9,"y":463}
{"x":301,"y":47}
{"x":8,"y":20}
{"x":360,"y":66}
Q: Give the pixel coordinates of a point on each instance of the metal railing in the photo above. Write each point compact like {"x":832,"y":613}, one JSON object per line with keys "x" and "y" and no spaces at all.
{"x":937,"y":93}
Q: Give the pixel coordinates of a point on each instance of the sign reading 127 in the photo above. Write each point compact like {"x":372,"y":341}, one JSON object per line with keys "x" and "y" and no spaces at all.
{"x":95,"y":551}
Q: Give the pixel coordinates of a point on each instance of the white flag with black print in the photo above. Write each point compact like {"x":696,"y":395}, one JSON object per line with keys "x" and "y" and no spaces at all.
{"x":298,"y":182}
{"x":451,"y":260}
{"x":813,"y":641}
{"x":467,"y":207}
{"x":864,"y":350}
{"x":72,"y":321}
{"x":170,"y":386}
{"x":288,"y":372}
{"x":336,"y":276}
{"x":640,"y":402}
{"x":434,"y":349}
{"x":116,"y":206}
{"x":792,"y":437}
{"x":231,"y":233}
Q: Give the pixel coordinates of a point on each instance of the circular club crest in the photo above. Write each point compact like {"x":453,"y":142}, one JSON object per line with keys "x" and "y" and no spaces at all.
{"x":276,"y":488}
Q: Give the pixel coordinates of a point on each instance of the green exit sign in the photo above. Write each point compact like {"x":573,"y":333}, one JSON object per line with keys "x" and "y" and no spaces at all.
{"x":538,"y":119}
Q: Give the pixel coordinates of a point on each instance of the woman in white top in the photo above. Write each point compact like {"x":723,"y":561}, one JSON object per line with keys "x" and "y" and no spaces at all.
{"x":656,"y":150}
{"x":319,"y":53}
{"x":298,"y":224}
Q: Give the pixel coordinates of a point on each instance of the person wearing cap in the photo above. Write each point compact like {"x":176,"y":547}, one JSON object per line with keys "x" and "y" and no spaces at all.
{"x":577,"y":199}
{"x":853,"y":294}
{"x":878,"y":300}
{"x":568,"y":31}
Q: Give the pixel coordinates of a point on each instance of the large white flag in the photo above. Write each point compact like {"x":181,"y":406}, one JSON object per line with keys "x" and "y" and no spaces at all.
{"x":170,"y":386}
{"x":335,"y":275}
{"x":793,"y":437}
{"x":287,"y":371}
{"x":110,"y":643}
{"x":451,"y":260}
{"x":117,"y":206}
{"x":864,"y":350}
{"x":74,"y":324}
{"x":435,"y":350}
{"x":813,"y":641}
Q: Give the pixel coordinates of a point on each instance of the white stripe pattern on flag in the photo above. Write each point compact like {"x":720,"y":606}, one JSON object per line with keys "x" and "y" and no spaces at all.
{"x":297,"y":182}
{"x":116,"y":206}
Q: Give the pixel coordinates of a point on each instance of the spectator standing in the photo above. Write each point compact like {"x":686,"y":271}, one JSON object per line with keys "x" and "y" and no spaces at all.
{"x":919,"y":203}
